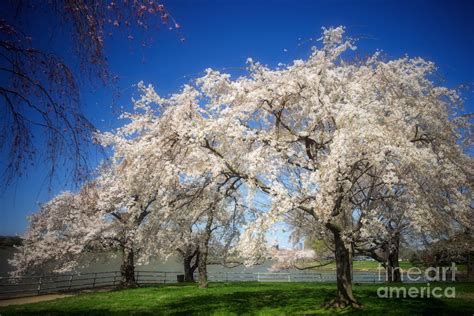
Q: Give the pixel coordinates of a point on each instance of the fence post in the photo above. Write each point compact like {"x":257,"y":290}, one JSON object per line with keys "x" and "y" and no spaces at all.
{"x":93,"y":282}
{"x":70,"y":282}
{"x":39,"y":284}
{"x":164,"y":281}
{"x":289,"y":277}
{"x":115,"y":278}
{"x":258,"y":276}
{"x":138,"y":277}
{"x":227,"y":276}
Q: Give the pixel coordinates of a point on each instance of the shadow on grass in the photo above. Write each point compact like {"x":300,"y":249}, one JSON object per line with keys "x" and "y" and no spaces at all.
{"x":206,"y":301}
{"x":307,"y":302}
{"x":374,"y":305}
{"x":238,"y":299}
{"x":250,"y":302}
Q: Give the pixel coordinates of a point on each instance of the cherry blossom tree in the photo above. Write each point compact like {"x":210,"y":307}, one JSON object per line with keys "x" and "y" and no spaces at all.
{"x":329,"y":138}
{"x":197,"y":204}
{"x":60,"y":233}
{"x":111,"y":214}
{"x":201,"y":231}
{"x":445,"y":222}
{"x":338,"y":147}
{"x":129,"y":208}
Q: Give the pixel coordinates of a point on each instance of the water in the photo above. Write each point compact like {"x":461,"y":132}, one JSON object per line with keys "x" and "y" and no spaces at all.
{"x":110,"y":262}
{"x":5,"y":255}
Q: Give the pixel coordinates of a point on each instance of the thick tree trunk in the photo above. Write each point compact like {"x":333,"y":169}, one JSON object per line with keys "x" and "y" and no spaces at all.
{"x":204,"y":251}
{"x":470,"y":266}
{"x":393,"y":266}
{"x":202,"y":268}
{"x":127,"y":269}
{"x":343,"y":254}
{"x":188,"y":272}
{"x":190,"y":266}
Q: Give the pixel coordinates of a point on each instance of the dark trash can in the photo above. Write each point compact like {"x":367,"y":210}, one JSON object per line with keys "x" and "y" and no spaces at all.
{"x":180,"y":278}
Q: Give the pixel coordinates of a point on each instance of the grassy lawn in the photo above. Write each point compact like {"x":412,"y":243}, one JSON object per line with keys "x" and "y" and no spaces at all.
{"x":363,"y":265}
{"x":374,"y":266}
{"x":246,"y":298}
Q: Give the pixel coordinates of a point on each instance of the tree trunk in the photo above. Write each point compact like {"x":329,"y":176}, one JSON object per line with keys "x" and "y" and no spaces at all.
{"x":127,"y":269}
{"x":188,"y":273}
{"x":202,"y":268}
{"x":189,"y":266}
{"x":343,"y":256}
{"x":393,"y":266}
{"x":470,"y":266}
{"x":204,"y":251}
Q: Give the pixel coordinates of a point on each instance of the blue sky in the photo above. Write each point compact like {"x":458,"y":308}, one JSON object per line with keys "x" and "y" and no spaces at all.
{"x":223,"y":34}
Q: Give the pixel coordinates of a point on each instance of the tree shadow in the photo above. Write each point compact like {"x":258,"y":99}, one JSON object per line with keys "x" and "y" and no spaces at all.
{"x":250,"y":299}
{"x":245,"y":302}
{"x":402,"y":306}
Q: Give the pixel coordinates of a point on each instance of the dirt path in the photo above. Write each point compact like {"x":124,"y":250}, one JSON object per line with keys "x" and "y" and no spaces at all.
{"x":32,"y":299}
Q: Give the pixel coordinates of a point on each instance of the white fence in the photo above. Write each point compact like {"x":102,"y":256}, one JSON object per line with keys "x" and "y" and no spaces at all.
{"x":36,"y":285}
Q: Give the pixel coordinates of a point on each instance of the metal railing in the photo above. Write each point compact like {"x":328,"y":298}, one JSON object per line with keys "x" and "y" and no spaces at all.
{"x":47,"y":284}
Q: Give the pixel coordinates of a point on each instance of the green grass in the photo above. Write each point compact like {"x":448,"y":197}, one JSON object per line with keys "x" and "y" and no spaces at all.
{"x":374,"y":266}
{"x":363,"y":265}
{"x":247,"y":299}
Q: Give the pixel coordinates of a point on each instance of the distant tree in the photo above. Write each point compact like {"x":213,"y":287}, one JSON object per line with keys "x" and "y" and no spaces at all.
{"x":39,"y":91}
{"x":10,"y":241}
{"x":458,"y":249}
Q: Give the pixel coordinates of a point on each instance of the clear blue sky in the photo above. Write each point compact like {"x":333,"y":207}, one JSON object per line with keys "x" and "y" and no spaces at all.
{"x":223,"y":34}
